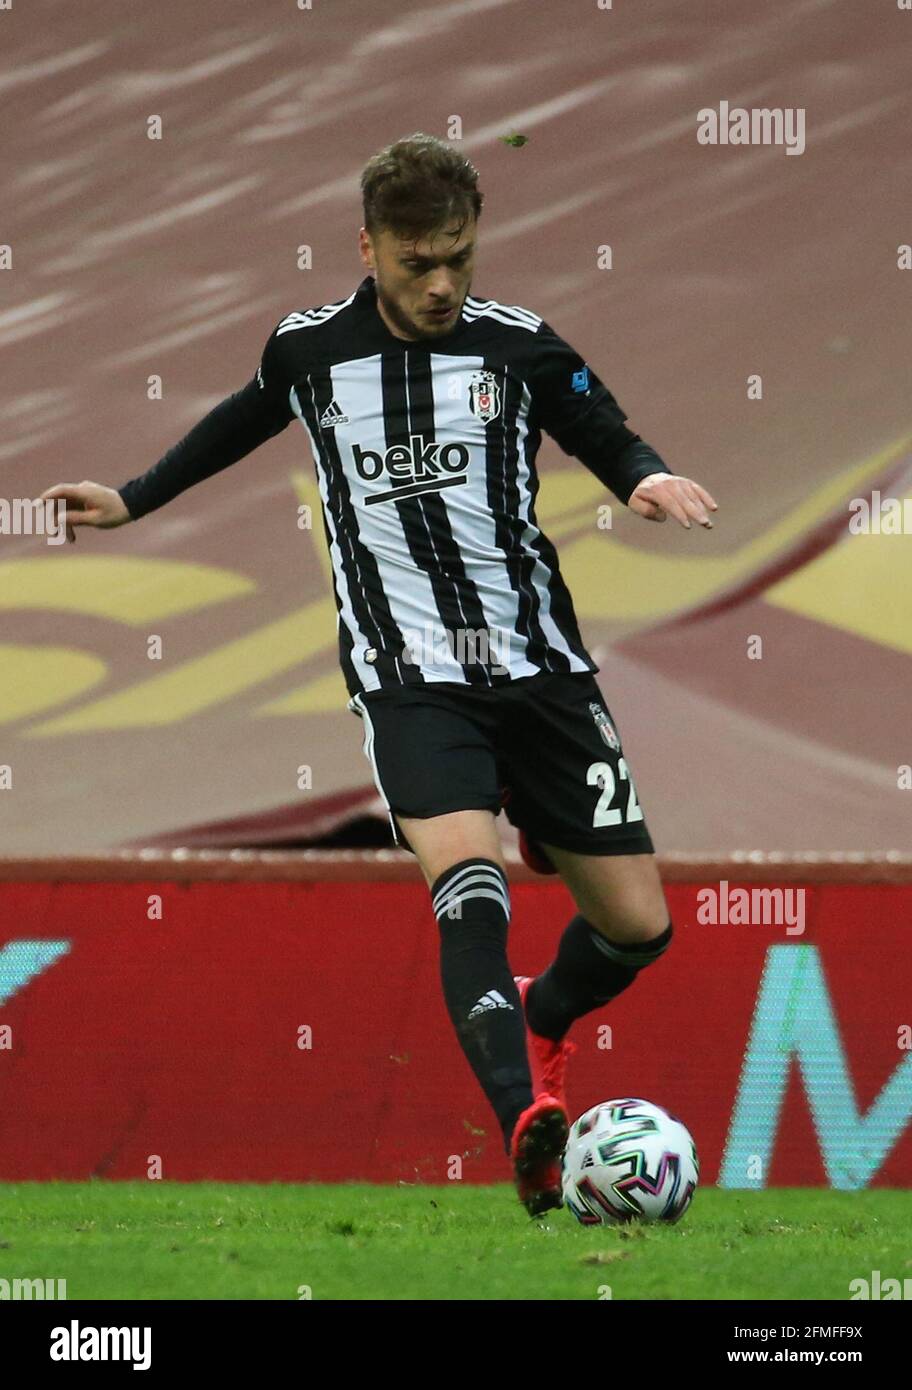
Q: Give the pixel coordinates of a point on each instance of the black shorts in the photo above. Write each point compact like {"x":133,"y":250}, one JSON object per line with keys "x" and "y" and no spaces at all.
{"x":543,"y":747}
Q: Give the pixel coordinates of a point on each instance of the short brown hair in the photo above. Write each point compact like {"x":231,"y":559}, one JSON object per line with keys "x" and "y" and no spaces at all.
{"x":418,"y":185}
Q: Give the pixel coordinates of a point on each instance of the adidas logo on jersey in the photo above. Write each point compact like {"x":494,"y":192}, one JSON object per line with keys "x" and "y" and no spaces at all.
{"x":333,"y":415}
{"x":415,"y":466}
{"x":492,"y":1000}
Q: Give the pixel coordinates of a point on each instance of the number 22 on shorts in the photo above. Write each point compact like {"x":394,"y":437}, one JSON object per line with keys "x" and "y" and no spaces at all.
{"x":602,"y":775}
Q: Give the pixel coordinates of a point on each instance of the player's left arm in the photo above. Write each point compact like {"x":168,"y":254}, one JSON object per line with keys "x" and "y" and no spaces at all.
{"x":582,"y":415}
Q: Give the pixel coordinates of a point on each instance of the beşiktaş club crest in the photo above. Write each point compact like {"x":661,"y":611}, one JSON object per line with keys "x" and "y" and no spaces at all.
{"x":484,"y":396}
{"x":604,"y":726}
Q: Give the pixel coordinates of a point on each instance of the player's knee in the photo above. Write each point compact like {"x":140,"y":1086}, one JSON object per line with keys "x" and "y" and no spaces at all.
{"x":640,"y":944}
{"x":633,"y":922}
{"x":472,"y":891}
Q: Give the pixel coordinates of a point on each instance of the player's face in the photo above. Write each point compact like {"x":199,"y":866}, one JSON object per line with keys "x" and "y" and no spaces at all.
{"x":420,"y":284}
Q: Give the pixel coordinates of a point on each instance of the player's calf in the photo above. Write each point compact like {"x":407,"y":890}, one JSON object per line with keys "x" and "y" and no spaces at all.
{"x":590,"y":970}
{"x":472,"y":905}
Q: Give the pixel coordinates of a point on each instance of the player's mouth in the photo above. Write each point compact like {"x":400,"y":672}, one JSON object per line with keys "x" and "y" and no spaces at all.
{"x":441,"y":315}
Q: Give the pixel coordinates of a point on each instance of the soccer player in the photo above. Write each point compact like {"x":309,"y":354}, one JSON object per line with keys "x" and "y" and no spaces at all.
{"x":423,"y":406}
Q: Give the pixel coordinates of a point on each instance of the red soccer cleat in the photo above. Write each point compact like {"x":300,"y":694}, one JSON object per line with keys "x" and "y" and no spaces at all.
{"x":547,"y":1059}
{"x":537,"y":1148}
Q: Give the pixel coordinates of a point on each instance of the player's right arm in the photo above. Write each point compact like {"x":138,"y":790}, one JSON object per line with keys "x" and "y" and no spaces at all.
{"x":234,"y":428}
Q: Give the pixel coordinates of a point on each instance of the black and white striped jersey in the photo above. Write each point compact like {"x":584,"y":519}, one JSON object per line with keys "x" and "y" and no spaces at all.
{"x":425,"y":457}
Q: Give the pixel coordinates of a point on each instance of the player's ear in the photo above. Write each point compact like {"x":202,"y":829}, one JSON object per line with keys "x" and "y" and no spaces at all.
{"x":366,"y":249}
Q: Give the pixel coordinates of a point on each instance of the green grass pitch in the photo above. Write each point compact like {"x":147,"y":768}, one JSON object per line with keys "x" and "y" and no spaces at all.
{"x":159,"y":1240}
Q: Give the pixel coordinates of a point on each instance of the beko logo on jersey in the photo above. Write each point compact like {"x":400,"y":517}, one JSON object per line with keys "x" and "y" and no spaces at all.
{"x":416,"y":467}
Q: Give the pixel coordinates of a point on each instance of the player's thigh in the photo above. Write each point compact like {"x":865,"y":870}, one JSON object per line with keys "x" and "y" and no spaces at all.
{"x":435,"y":765}
{"x":439,"y":842}
{"x":572,"y":792}
{"x":620,"y":894}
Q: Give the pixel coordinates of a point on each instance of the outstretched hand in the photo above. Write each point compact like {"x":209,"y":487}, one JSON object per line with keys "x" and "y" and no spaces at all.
{"x":88,"y":504}
{"x":665,"y":494}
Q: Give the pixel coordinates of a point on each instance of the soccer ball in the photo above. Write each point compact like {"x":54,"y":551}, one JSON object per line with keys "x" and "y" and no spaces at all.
{"x":629,"y":1159}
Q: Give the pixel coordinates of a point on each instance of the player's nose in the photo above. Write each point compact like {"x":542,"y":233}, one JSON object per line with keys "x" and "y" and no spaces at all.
{"x":442,"y":287}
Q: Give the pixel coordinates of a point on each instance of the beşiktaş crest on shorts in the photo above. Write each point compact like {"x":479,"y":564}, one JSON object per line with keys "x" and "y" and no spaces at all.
{"x":484,"y":396}
{"x":604,"y":726}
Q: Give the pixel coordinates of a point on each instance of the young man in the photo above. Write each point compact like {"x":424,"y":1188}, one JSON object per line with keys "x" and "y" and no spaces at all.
{"x":424,"y":408}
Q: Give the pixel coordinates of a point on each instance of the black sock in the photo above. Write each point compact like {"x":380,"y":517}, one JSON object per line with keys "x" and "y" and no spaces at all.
{"x":472,"y":906}
{"x":588,"y":971}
